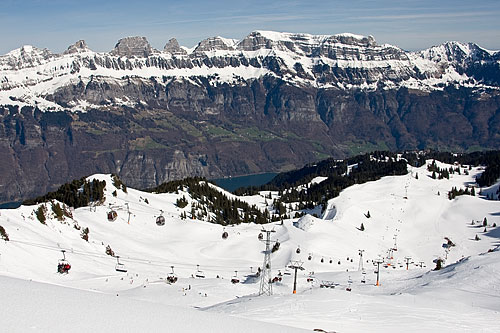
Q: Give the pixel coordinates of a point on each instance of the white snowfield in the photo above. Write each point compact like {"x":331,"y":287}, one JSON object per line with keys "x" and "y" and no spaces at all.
{"x":409,"y":214}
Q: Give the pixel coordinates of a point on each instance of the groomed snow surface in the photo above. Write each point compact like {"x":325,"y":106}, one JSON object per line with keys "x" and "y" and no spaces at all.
{"x":410,"y":213}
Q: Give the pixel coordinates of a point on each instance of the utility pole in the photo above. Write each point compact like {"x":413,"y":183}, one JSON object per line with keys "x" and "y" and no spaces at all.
{"x":379,"y":261}
{"x":407,"y":262}
{"x":295,"y":265}
{"x":360,"y":266}
{"x":266,"y":286}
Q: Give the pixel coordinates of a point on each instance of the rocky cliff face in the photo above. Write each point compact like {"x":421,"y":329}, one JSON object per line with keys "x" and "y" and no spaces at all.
{"x":270,"y":102}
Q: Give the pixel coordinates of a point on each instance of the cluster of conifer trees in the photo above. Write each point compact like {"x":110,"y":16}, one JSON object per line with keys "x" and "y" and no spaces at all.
{"x":78,"y":193}
{"x":210,"y":202}
{"x":455,"y":192}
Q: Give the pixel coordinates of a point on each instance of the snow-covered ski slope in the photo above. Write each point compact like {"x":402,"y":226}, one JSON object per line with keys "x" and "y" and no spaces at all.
{"x":405,"y":213}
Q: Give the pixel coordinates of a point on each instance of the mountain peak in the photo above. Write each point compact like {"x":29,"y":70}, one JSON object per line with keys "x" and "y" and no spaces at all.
{"x":353,"y":39}
{"x":216,"y":43}
{"x":79,"y":46}
{"x":173,"y":47}
{"x":133,"y":47}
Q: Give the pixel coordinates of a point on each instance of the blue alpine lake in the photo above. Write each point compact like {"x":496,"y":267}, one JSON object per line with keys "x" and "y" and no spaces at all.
{"x":232,"y":183}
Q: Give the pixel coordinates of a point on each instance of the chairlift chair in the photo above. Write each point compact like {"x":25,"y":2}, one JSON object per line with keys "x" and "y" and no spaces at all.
{"x":199,"y":274}
{"x":172,"y":278}
{"x":275,"y":247}
{"x":160,"y":220}
{"x":63,"y":265}
{"x":235,"y":279}
{"x":119,"y":267}
{"x":112,"y":215}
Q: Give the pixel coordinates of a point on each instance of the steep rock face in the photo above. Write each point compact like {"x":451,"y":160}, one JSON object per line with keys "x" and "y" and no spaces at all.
{"x":173,"y":48}
{"x":215,"y":43}
{"x":79,"y":46}
{"x":187,"y":127}
{"x":133,"y":47}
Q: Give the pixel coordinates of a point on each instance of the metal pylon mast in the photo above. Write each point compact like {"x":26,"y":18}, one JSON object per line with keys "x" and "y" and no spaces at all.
{"x":360,"y":266}
{"x":266,"y":286}
{"x":295,"y":265}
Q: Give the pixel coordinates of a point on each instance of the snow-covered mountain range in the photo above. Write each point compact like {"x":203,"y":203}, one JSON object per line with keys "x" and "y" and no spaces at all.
{"x":30,"y":75}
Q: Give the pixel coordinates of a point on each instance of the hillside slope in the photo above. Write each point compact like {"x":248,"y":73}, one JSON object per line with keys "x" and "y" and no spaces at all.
{"x":404,"y":206}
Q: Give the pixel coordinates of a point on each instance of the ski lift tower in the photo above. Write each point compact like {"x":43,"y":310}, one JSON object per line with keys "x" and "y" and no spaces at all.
{"x":360,"y":266}
{"x":407,"y":262}
{"x":378,"y":262}
{"x":295,"y":265}
{"x":266,"y":286}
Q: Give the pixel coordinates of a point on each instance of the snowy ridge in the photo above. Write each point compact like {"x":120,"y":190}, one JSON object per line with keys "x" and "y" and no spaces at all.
{"x":29,"y":75}
{"x":409,"y":214}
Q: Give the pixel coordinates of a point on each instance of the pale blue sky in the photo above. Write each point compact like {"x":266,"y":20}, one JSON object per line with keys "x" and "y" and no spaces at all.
{"x":411,"y":25}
